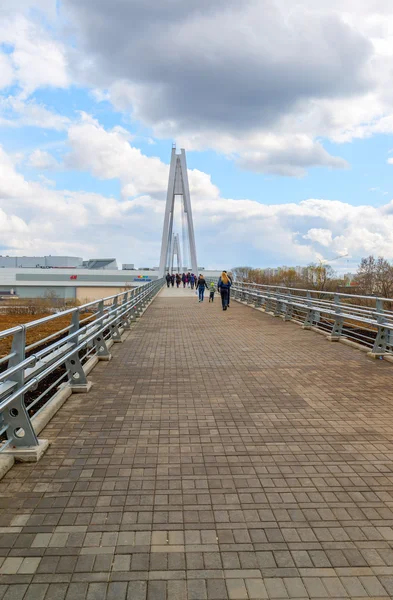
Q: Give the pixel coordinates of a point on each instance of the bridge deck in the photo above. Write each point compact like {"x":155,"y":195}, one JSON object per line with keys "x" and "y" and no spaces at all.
{"x":219,"y":455}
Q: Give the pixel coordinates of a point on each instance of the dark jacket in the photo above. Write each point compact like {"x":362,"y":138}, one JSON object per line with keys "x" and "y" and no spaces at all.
{"x":202,"y":283}
{"x":224,"y":286}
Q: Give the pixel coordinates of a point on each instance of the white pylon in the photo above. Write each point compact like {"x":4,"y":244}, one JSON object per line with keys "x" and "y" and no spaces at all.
{"x":177,"y":186}
{"x":176,"y":250}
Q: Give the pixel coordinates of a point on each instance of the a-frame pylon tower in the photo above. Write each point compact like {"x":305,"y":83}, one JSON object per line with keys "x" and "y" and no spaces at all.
{"x":177,"y":186}
{"x":176,"y":251}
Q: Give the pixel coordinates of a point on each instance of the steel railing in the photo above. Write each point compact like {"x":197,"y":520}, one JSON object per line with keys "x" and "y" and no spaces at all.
{"x":366,"y":320}
{"x":31,"y":374}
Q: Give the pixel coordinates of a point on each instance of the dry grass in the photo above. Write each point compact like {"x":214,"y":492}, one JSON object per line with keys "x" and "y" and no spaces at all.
{"x":33,"y":335}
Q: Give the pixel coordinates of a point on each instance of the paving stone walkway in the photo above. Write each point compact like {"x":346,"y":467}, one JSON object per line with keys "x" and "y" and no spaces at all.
{"x":219,"y":455}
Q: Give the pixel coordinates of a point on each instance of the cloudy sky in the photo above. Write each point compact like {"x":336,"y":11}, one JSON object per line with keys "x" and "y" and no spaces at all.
{"x":285,"y":108}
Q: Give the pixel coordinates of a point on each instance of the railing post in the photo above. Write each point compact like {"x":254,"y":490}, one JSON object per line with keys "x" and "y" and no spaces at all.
{"x":278,"y":307}
{"x":379,"y":348}
{"x":138,"y":306}
{"x":261,"y":300}
{"x":338,"y":321}
{"x":20,"y":429}
{"x":76,"y":375}
{"x":268,"y":306}
{"x":132,"y":312}
{"x":102,"y":351}
{"x":126,"y":317}
{"x":114,"y":327}
{"x":257,"y":301}
{"x":145,"y":298}
{"x":309,"y":319}
{"x":288,"y":308}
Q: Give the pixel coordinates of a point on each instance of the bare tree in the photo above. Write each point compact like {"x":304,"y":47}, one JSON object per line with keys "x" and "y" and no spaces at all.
{"x":318,"y":277}
{"x":241,"y":273}
{"x":366,"y":275}
{"x":375,"y":276}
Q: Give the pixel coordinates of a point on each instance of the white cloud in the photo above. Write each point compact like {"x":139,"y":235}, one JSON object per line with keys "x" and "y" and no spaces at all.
{"x":10,"y":224}
{"x":288,"y":155}
{"x":62,"y":221}
{"x":108,"y":155}
{"x":16,"y":111}
{"x":40,"y":159}
{"x":37,"y":59}
{"x":272,"y":83}
{"x":40,"y":219}
{"x":47,"y":7}
{"x":321,"y":236}
{"x":45,"y":181}
{"x":233,"y":230}
{"x":100,"y":95}
{"x":279,"y":75}
{"x":34,"y":59}
{"x":6,"y":71}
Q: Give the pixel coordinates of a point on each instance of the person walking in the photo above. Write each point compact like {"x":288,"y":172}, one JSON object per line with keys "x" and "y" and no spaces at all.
{"x":201,"y":285}
{"x":212,"y":290}
{"x":229,"y":289}
{"x":192,"y":280}
{"x":188,"y":279}
{"x":178,"y":280}
{"x":168,"y":280}
{"x":184,"y":279}
{"x":224,"y":284}
{"x":172,"y":280}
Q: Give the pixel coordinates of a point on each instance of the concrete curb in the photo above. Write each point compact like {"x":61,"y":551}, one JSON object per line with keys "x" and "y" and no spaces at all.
{"x":51,"y":409}
{"x":30,"y":453}
{"x":354,"y":345}
{"x":320,"y":331}
{"x":89,"y":366}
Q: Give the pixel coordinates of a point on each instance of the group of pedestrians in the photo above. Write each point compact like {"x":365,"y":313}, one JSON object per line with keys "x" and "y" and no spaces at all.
{"x":200,"y":284}
{"x":187,"y":279}
{"x":223,"y":287}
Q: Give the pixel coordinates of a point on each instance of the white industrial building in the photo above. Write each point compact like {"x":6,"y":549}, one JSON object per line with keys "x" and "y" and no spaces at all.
{"x":81,"y":284}
{"x":73,"y":283}
{"x":56,"y":262}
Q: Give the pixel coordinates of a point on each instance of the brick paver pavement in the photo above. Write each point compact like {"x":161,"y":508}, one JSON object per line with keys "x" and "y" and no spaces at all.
{"x":220,"y":455}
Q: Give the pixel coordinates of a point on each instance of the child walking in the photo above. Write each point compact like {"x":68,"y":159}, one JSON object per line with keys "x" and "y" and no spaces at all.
{"x":212,"y":290}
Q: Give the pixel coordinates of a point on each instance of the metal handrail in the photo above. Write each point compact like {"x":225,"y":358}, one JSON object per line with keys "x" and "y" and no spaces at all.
{"x":312,"y":291}
{"x":370,"y":326}
{"x":69,"y":349}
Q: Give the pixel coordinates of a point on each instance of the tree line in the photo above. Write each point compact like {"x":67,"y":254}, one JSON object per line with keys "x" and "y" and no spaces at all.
{"x":374,"y":277}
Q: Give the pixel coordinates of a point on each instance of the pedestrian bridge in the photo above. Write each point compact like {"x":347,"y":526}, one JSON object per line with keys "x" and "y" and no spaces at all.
{"x":218,"y":455}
